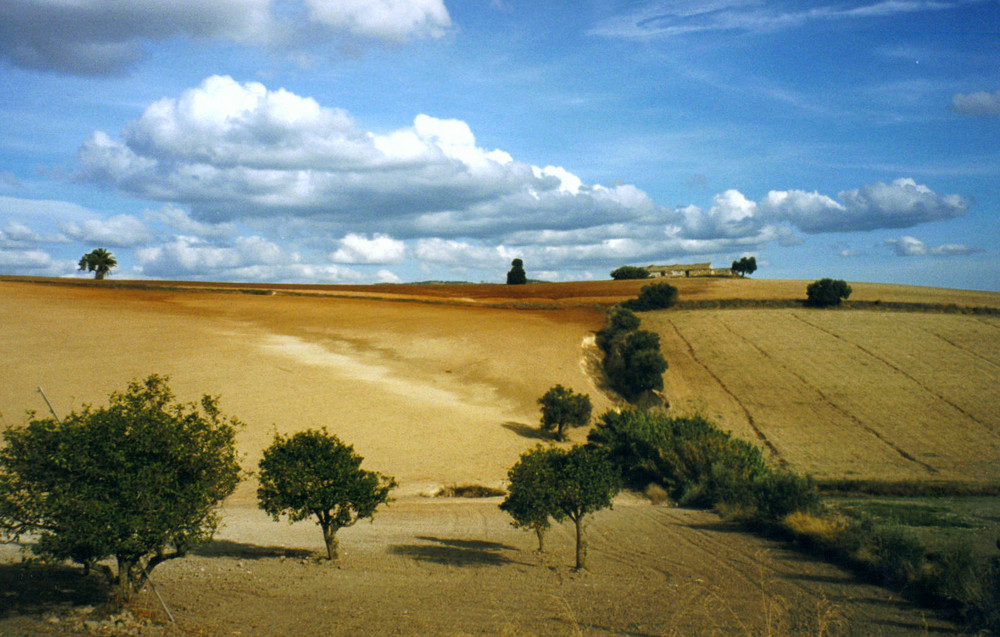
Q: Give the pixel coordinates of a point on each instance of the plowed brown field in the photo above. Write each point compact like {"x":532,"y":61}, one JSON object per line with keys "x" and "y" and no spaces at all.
{"x":439,"y":387}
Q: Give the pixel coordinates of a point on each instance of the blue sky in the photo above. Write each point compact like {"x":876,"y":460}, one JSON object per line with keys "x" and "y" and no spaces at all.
{"x":368,"y":141}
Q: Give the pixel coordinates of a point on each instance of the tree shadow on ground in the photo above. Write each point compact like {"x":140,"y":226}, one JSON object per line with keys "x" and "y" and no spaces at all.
{"x":921,"y":628}
{"x":228,"y":548}
{"x":455,"y":552}
{"x":31,"y":589}
{"x":527,"y":431}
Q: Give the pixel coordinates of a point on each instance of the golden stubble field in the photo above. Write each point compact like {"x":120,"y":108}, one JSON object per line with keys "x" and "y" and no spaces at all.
{"x":437,"y":385}
{"x":854,"y":395}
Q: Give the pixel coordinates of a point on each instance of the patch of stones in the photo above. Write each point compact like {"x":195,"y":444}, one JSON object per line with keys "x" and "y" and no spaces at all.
{"x":84,"y":619}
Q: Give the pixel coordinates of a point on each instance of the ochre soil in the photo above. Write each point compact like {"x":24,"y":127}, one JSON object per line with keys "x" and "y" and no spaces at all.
{"x":437,"y":392}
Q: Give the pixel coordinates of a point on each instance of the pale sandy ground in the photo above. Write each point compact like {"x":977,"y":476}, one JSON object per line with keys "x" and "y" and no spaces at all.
{"x":433,"y":395}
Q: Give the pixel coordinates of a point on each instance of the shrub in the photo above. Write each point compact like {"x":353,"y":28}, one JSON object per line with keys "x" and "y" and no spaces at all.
{"x":619,"y":321}
{"x":827,"y":292}
{"x":700,"y":465}
{"x":780,"y":493}
{"x":629,"y":272}
{"x":138,"y":480}
{"x":642,"y":365}
{"x":691,"y":458}
{"x":655,"y":296}
{"x":633,"y":363}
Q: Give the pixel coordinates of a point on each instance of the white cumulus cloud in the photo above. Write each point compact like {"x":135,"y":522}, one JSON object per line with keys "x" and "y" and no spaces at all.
{"x":356,"y":248}
{"x":117,"y":231}
{"x":230,"y":150}
{"x":190,"y":256}
{"x":900,"y":204}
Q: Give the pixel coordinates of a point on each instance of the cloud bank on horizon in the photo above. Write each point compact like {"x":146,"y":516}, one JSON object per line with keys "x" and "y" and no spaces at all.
{"x":247,"y":180}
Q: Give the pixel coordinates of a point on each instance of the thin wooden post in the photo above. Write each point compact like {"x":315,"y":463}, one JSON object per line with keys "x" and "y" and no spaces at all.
{"x":46,"y":399}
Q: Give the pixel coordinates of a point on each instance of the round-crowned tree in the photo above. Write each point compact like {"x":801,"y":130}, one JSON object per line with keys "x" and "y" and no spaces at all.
{"x":138,"y":480}
{"x":559,"y":484}
{"x":313,"y":474}
{"x":531,"y":499}
{"x":655,"y":296}
{"x":827,"y":292}
{"x":562,"y":408}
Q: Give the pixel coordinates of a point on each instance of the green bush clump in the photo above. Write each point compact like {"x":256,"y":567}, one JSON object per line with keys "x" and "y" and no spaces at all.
{"x":655,"y":296}
{"x":826,"y":292}
{"x":629,"y":272}
{"x":699,"y":465}
{"x":632,"y":359}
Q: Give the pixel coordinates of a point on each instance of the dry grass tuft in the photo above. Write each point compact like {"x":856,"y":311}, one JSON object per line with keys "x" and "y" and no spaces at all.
{"x":469,"y":491}
{"x":656,"y":494}
{"x":822,"y":527}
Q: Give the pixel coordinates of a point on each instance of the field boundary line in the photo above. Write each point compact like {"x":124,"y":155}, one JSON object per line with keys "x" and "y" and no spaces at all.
{"x":962,"y":348}
{"x":746,"y":412}
{"x":819,"y":392}
{"x":902,"y":373}
{"x":846,"y":306}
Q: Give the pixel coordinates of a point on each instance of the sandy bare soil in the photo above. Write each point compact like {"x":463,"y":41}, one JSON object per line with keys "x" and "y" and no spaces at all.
{"x":433,"y":393}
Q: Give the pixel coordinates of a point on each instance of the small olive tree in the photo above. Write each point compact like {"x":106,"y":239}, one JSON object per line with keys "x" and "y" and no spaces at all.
{"x":138,"y":480}
{"x":562,"y":408}
{"x":561,"y":484}
{"x":531,"y":499}
{"x":313,"y":474}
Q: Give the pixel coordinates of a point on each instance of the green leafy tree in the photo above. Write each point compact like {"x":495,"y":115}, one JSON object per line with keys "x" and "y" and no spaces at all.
{"x":564,"y":484}
{"x":313,"y":474}
{"x":633,"y":363}
{"x":655,"y":296}
{"x":138,"y":480}
{"x":636,"y":365}
{"x":517,"y":276}
{"x":98,"y":261}
{"x":531,"y":498}
{"x":629,"y":272}
{"x":619,"y":322}
{"x":827,"y":292}
{"x":745,"y":266}
{"x":562,"y":408}
{"x":585,"y":482}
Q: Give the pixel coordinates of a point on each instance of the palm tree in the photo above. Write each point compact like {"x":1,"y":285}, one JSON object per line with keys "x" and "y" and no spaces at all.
{"x":98,"y":261}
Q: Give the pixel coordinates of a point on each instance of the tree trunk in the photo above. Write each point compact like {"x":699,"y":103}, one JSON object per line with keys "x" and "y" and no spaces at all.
{"x":540,"y":534}
{"x":124,"y":579}
{"x":330,"y":537}
{"x":581,"y":546}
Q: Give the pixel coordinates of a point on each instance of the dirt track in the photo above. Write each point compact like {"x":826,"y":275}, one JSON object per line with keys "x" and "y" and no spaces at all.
{"x":432,"y":394}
